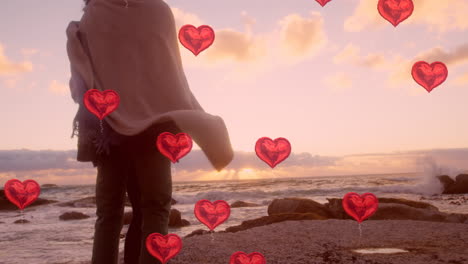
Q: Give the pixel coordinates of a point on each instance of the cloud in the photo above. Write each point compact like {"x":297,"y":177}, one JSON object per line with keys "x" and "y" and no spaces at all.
{"x":8,"y":67}
{"x":295,"y":38}
{"x":58,"y":87}
{"x":235,"y":46}
{"x":28,"y":160}
{"x":338,"y":81}
{"x":29,"y":52}
{"x":229,"y":46}
{"x":462,"y":80}
{"x":401,"y":68}
{"x":182,"y":18}
{"x":365,"y":16}
{"x":61,"y":167}
{"x":441,"y":15}
{"x":456,"y":57}
{"x":437,"y":15}
{"x":247,"y":20}
{"x":439,"y":161}
{"x":351,"y":54}
{"x":302,"y":36}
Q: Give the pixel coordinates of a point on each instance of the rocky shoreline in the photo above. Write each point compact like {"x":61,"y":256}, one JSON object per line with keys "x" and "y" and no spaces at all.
{"x":302,"y":231}
{"x":333,"y":241}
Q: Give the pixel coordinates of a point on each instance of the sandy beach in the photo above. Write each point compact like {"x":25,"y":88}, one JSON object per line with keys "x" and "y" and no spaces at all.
{"x":332,"y":241}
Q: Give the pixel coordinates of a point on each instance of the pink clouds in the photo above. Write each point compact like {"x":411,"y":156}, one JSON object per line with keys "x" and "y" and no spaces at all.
{"x":7,"y":67}
{"x":436,"y":15}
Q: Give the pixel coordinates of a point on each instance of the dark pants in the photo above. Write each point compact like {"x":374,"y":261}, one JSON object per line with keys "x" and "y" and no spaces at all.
{"x":135,"y":166}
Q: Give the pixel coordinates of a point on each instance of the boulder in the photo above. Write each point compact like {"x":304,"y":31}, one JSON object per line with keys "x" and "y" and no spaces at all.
{"x":73,"y":216}
{"x":6,"y":205}
{"x":393,"y":211}
{"x":415,"y":204}
{"x":461,"y":184}
{"x":275,"y":218}
{"x":298,"y":205}
{"x":238,"y":204}
{"x":457,"y":186}
{"x":21,"y":221}
{"x":336,"y":208}
{"x":175,"y":219}
{"x":446,"y":181}
{"x":86,"y":202}
{"x":198,"y":232}
{"x":461,"y":179}
{"x":401,"y":209}
{"x":49,"y":185}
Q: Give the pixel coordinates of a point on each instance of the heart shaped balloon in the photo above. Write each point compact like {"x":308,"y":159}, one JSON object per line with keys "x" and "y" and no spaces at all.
{"x":272,"y":151}
{"x":100,"y":103}
{"x":428,"y":75}
{"x":23,"y":193}
{"x":196,"y":39}
{"x":163,"y":247}
{"x":395,"y":11}
{"x":212,"y":214}
{"x":240,"y":257}
{"x":323,"y":2}
{"x":174,"y":146}
{"x":360,"y":207}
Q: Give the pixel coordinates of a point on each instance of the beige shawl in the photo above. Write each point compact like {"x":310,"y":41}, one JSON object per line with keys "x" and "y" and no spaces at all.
{"x":134,"y":51}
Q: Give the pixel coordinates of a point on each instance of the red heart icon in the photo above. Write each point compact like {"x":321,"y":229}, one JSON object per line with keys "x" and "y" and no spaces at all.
{"x":196,"y":39}
{"x":174,"y":147}
{"x":101,"y":103}
{"x":360,"y":207}
{"x":163,"y":247}
{"x":212,"y":214}
{"x":240,"y":257}
{"x":23,"y":193}
{"x":429,"y":76}
{"x":323,"y":2}
{"x":395,"y":11}
{"x":273,"y":151}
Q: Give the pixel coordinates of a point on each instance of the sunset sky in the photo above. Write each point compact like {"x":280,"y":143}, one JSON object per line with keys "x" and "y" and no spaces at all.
{"x":334,"y":80}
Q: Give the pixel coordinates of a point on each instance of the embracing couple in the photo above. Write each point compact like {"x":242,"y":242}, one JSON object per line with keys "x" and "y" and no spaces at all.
{"x":131,"y":47}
